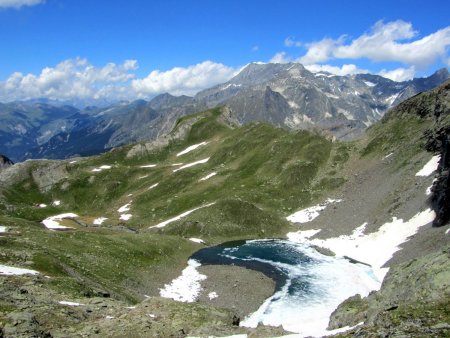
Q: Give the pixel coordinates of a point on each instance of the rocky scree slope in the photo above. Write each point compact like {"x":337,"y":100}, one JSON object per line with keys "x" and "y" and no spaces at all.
{"x":414,"y":298}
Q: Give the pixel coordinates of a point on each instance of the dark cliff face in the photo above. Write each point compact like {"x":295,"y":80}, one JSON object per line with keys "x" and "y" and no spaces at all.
{"x":435,"y":105}
{"x":440,"y":200}
{"x":5,"y":162}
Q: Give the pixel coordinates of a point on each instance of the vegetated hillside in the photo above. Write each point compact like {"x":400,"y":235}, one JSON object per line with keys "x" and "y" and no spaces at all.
{"x":244,"y":180}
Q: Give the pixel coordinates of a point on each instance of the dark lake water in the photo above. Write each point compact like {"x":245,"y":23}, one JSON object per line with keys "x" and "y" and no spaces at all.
{"x":309,"y":285}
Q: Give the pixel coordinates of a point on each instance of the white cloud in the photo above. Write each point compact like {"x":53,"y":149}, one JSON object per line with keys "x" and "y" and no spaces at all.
{"x":19,"y":3}
{"x":78,"y":79}
{"x":320,"y":51}
{"x":399,"y":74}
{"x":181,"y":80}
{"x":255,"y":48}
{"x":280,"y":58}
{"x":346,"y":69}
{"x":73,"y":78}
{"x":290,"y":42}
{"x":385,"y":42}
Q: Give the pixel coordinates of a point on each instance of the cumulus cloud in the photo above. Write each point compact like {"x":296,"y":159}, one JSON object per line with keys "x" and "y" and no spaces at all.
{"x":280,"y":58}
{"x":399,"y":74}
{"x":79,"y":79}
{"x":385,"y":42}
{"x":320,"y":51}
{"x":346,"y":69}
{"x":290,"y":42}
{"x":19,"y":3}
{"x":73,"y":78}
{"x":181,"y":80}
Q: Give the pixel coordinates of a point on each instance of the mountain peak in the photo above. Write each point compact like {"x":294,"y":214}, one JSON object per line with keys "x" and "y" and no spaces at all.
{"x":441,"y":74}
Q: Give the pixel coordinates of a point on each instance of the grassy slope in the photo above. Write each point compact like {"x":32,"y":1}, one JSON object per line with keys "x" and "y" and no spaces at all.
{"x":263,"y":174}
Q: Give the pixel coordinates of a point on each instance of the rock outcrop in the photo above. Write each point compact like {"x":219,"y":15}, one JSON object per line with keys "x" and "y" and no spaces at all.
{"x":5,"y":162}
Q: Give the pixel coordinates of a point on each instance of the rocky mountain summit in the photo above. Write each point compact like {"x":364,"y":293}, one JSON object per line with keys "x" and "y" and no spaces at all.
{"x":289,"y":95}
{"x":285,"y":95}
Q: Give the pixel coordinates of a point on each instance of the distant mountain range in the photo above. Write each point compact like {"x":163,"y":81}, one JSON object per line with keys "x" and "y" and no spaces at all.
{"x":285,"y":95}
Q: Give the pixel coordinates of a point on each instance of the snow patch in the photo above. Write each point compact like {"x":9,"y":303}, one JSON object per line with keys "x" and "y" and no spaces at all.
{"x":428,"y":191}
{"x":186,"y":287}
{"x":192,"y":164}
{"x":346,"y":113}
{"x":124,"y":208}
{"x":197,"y":240}
{"x":153,"y":186}
{"x":63,"y":302}
{"x":208,"y":176}
{"x":141,"y":177}
{"x":370,"y":84}
{"x":148,"y":166}
{"x":212,"y":295}
{"x":42,"y":205}
{"x":430,"y":167}
{"x":302,"y":236}
{"x":10,"y":271}
{"x":2,"y":229}
{"x":308,"y":214}
{"x":72,"y":162}
{"x":101,"y":168}
{"x":294,"y":105}
{"x":176,"y":218}
{"x":99,"y":220}
{"x":53,"y":224}
{"x":56,"y":203}
{"x":323,"y":74}
{"x":125,"y":217}
{"x":232,"y":85}
{"x":332,"y":96}
{"x":390,"y":100}
{"x":190,"y":148}
{"x":375,"y":248}
{"x":388,"y":155}
{"x":177,"y":164}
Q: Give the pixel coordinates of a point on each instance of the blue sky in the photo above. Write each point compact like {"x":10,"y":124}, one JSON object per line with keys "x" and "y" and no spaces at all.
{"x":116,"y":46}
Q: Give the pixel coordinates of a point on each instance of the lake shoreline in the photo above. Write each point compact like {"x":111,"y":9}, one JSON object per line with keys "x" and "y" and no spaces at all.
{"x":238,"y":289}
